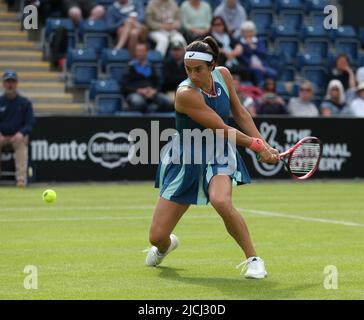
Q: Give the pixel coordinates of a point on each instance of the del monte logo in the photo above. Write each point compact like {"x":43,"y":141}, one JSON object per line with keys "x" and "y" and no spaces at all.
{"x":110,"y":149}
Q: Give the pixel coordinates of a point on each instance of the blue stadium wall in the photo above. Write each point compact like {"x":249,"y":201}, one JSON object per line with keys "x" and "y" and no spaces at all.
{"x":97,"y":148}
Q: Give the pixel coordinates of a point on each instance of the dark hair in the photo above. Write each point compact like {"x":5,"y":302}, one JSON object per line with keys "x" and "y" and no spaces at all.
{"x":342,"y":55}
{"x":206,"y":45}
{"x":221,"y":19}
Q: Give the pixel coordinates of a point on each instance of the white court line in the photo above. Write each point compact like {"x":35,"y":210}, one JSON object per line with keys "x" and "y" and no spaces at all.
{"x":81,"y":208}
{"x":139,"y":217}
{"x":297,"y":217}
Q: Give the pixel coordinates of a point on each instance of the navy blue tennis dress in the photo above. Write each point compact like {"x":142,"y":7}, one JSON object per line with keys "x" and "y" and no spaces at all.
{"x":187,"y":182}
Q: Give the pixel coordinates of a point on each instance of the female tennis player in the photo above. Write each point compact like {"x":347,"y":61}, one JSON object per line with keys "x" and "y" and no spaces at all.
{"x":205,"y":100}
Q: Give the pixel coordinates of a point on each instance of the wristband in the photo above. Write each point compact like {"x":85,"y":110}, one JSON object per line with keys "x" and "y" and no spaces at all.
{"x":256,"y":145}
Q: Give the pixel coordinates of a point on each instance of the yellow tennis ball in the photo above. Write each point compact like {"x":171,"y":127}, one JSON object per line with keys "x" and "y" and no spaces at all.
{"x":49,"y":196}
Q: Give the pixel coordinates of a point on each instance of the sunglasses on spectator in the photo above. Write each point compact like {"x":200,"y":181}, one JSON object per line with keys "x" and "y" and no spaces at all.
{"x":217,"y":24}
{"x":306,"y":89}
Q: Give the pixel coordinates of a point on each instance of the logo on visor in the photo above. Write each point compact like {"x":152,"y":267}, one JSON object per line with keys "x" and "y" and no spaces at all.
{"x":191,"y":55}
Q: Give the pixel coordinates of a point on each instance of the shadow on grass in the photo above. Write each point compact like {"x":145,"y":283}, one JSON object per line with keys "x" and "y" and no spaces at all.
{"x":240,"y":288}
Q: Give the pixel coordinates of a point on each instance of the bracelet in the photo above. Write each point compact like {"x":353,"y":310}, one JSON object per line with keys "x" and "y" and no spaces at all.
{"x":256,"y":145}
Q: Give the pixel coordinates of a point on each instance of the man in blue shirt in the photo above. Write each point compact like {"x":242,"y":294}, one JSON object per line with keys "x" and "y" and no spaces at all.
{"x":16,"y":123}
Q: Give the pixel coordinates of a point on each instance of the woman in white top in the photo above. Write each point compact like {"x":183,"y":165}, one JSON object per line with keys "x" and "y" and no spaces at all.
{"x":357,"y":106}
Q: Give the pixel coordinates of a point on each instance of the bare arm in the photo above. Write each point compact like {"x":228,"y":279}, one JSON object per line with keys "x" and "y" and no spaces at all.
{"x":241,"y":116}
{"x":191,"y":103}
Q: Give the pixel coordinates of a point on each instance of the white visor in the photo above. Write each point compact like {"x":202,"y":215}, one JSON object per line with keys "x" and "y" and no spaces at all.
{"x":198,"y":56}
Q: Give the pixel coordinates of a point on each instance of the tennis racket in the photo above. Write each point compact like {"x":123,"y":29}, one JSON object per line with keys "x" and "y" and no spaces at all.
{"x":302,"y":160}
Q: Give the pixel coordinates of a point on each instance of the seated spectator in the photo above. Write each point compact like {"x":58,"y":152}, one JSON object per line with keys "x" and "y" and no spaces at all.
{"x":359,"y":75}
{"x":254,"y":56}
{"x":357,"y":105}
{"x":248,"y":95}
{"x":83,"y":9}
{"x":343,"y":72}
{"x":16,"y":123}
{"x":174,"y":68}
{"x":125,"y":18}
{"x":196,"y":17}
{"x":335,"y":100}
{"x":233,"y":14}
{"x":230,"y":48}
{"x":142,"y":85}
{"x":302,"y":106}
{"x":271,"y":102}
{"x":163,"y":19}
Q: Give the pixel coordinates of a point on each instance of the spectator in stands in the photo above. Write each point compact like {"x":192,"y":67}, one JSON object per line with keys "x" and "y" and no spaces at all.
{"x":359,"y":75}
{"x":335,"y":100}
{"x":254,"y":56}
{"x":163,"y":19}
{"x":343,"y":72}
{"x":230,"y":48}
{"x":125,"y":18}
{"x":357,"y":105}
{"x":142,"y":85}
{"x":302,"y":106}
{"x":16,"y":123}
{"x":271,"y":102}
{"x":196,"y":17}
{"x":79,"y":9}
{"x":174,"y":68}
{"x":248,"y":95}
{"x":233,"y":14}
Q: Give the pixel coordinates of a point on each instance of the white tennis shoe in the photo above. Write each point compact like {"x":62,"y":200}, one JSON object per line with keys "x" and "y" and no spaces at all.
{"x":154,"y":258}
{"x":255,"y":268}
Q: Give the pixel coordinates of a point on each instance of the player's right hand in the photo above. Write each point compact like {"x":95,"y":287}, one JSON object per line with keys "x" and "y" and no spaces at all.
{"x":267,"y":156}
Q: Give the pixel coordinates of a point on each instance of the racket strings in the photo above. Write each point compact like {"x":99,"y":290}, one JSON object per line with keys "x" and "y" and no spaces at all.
{"x":305,"y":157}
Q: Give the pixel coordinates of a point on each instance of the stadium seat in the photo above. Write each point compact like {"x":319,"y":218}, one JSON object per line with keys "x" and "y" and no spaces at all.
{"x":315,"y":74}
{"x":350,"y":47}
{"x":281,"y":89}
{"x":263,"y":21}
{"x":288,"y":18}
{"x":284,"y":31}
{"x":309,"y":59}
{"x":317,"y":18}
{"x":315,"y":5}
{"x":104,"y":96}
{"x":343,"y":32}
{"x":361,"y":36}
{"x":51,"y":25}
{"x":105,"y":3}
{"x":314,"y":32}
{"x":289,"y":48}
{"x":95,"y":34}
{"x":316,"y":39}
{"x":115,"y":63}
{"x":288,"y":5}
{"x":257,"y":5}
{"x":316,"y":46}
{"x":276,"y":60}
{"x":287,"y":74}
{"x":81,"y":67}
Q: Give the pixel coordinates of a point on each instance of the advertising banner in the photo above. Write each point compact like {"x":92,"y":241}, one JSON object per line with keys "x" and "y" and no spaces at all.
{"x":128,"y":148}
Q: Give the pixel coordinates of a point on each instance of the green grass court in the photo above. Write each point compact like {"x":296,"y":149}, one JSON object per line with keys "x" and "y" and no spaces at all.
{"x":88,"y":245}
